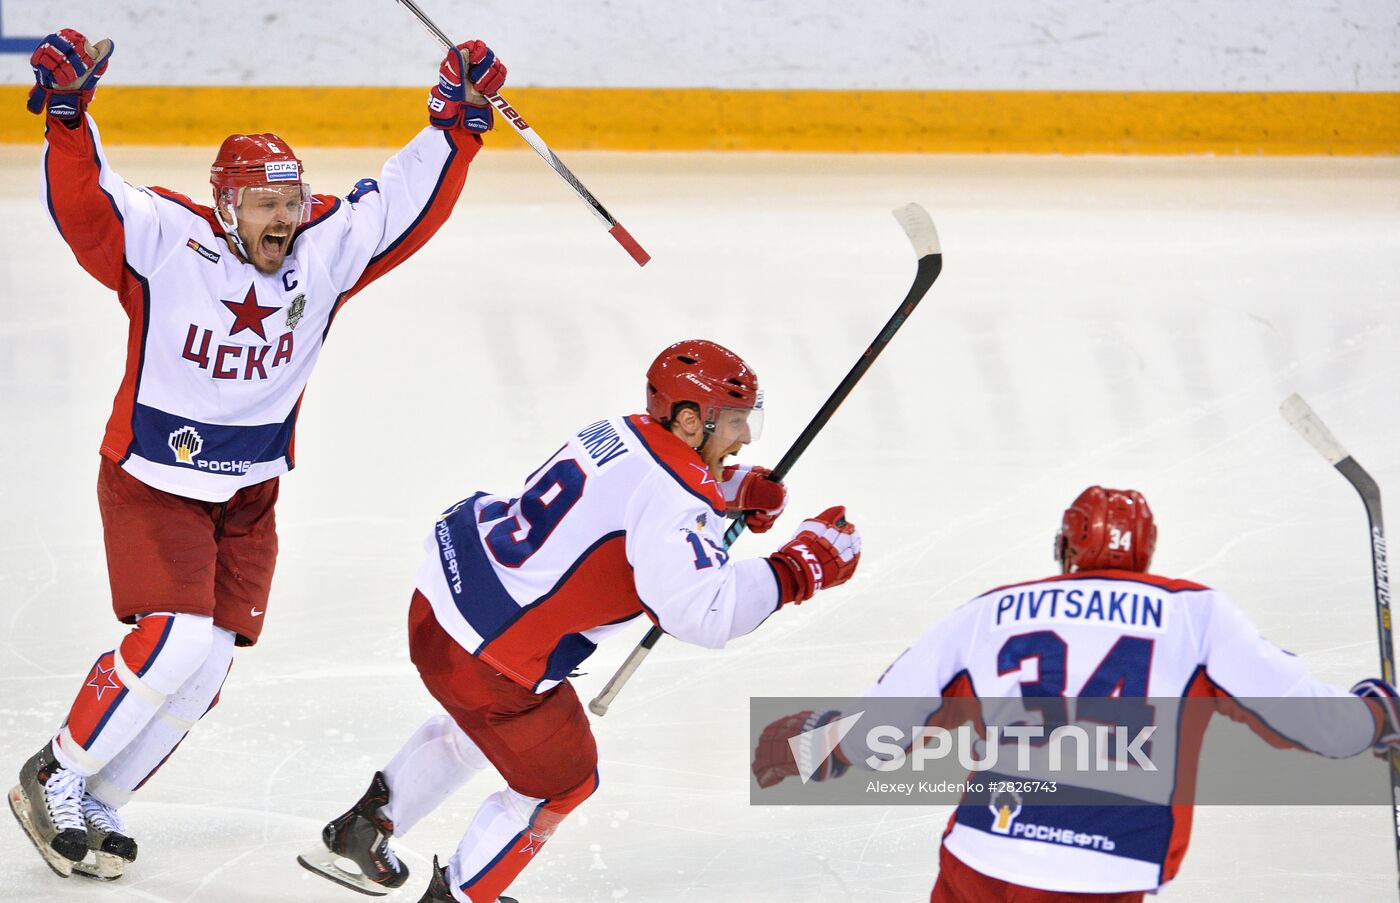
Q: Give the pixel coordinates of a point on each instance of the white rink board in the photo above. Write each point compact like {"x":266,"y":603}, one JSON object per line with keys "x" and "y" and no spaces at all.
{"x":1058,"y":45}
{"x":1128,"y":321}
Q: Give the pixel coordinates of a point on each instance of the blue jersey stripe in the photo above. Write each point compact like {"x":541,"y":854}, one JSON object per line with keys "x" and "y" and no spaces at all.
{"x":223,"y":448}
{"x":476,"y":591}
{"x":1133,"y":830}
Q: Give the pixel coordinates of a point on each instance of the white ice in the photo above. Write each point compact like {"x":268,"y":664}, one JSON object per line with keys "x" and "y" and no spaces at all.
{"x":1132,"y":322}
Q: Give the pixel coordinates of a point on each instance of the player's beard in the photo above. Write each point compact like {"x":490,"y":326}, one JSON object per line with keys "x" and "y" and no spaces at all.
{"x":267,"y":246}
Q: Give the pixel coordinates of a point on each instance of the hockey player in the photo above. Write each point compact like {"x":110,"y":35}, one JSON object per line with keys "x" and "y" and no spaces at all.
{"x":1049,"y":638}
{"x":228,"y":308}
{"x":627,"y":518}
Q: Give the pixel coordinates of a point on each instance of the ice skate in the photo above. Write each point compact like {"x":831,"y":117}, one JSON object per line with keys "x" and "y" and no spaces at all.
{"x":109,"y":840}
{"x":360,"y":836}
{"x":439,"y":892}
{"x":47,"y":803}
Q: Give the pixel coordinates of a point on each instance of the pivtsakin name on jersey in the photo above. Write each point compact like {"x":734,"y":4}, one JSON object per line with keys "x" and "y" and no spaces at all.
{"x":235,"y":361}
{"x":1053,"y":603}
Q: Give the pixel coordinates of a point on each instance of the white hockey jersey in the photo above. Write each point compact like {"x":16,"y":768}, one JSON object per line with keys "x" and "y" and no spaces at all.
{"x":218,"y":354}
{"x":1107,"y":634}
{"x":623,"y":519}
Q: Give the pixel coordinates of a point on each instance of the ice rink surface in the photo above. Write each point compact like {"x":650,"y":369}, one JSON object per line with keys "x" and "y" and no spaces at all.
{"x":1127,"y":321}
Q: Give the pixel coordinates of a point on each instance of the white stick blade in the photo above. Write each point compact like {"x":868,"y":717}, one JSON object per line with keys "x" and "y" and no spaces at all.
{"x":1296,"y":411}
{"x":918,"y":225}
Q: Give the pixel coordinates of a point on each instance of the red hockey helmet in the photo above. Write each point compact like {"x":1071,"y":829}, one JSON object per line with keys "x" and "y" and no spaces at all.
{"x":1106,"y":528}
{"x":707,"y":375}
{"x":259,"y":162}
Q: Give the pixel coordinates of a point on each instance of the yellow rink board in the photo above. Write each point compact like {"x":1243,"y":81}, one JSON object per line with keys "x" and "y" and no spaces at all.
{"x":686,"y":119}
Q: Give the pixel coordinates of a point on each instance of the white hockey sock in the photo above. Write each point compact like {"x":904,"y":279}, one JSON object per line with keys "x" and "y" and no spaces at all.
{"x":128,"y":685}
{"x":429,"y":768}
{"x":135,"y":764}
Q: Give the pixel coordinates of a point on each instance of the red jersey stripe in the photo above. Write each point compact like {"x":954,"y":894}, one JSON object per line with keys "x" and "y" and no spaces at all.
{"x":598,"y":591}
{"x":86,"y":215}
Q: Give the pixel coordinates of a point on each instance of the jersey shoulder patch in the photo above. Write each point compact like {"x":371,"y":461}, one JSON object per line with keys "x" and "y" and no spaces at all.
{"x":677,"y":459}
{"x":362,"y":188}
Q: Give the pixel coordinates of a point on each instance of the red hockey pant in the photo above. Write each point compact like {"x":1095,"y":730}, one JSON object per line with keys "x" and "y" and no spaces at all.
{"x":960,"y":883}
{"x":541,"y":743}
{"x":170,"y":553}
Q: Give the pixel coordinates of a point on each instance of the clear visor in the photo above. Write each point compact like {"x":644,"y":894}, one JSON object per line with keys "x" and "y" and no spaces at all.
{"x":264,"y":205}
{"x":741,"y":425}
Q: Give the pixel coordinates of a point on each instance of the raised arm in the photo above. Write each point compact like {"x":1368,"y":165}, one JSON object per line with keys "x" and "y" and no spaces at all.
{"x":99,"y":215}
{"x":383,"y":221}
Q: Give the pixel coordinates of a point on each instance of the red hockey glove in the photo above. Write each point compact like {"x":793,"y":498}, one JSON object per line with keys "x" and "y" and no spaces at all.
{"x":752,"y":492}
{"x":451,"y":103}
{"x":1382,"y":697}
{"x":822,"y":553}
{"x":64,"y":75}
{"x":775,"y":759}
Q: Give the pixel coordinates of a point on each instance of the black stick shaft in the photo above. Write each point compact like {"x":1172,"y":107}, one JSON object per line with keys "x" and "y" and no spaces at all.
{"x":1370,"y":494}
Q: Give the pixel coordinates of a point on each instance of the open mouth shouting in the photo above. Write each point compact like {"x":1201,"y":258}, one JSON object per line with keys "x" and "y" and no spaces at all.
{"x":272,"y":248}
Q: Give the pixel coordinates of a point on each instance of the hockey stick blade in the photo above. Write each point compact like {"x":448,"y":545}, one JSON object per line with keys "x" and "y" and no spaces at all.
{"x":918,"y":227}
{"x":1302,"y":418}
{"x":532,"y":138}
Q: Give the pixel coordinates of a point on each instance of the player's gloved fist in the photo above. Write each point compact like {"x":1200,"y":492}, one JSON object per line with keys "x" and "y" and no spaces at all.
{"x":775,"y":758}
{"x":823,"y":553}
{"x":753,"y":492}
{"x":65,"y":77}
{"x":468,"y":72}
{"x":484,"y":71}
{"x":1382,"y":696}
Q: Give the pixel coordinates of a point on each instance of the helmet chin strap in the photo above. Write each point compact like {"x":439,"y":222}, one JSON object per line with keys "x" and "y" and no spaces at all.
{"x":231,"y":228}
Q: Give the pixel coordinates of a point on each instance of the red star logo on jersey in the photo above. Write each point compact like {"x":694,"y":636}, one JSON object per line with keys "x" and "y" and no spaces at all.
{"x":707,"y":480}
{"x":248,"y":314}
{"x":103,"y":680}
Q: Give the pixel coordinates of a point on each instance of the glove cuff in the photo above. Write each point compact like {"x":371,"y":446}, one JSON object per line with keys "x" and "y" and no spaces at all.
{"x":794,"y":583}
{"x":65,"y":106}
{"x":477,"y":119}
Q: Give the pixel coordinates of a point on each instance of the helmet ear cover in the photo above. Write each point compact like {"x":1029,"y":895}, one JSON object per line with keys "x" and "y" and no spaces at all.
{"x":1106,"y":528}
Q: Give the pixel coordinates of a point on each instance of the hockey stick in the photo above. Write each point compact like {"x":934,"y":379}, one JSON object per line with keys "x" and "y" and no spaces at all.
{"x":1296,"y":411}
{"x":919,"y":227}
{"x":532,"y":138}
